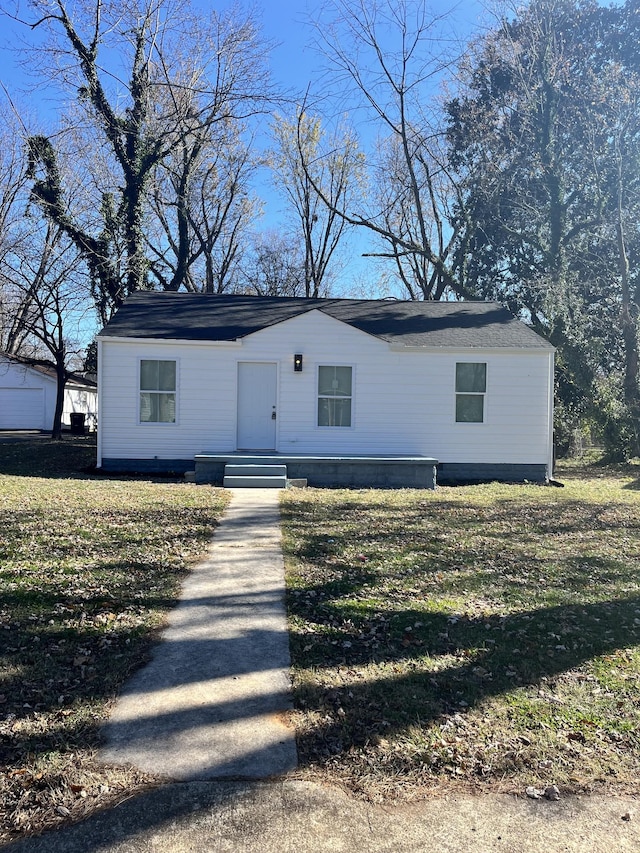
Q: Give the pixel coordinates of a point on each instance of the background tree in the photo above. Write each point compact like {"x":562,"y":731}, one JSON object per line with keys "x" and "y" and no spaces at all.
{"x":184,"y":75}
{"x":46,"y":310}
{"x":542,"y":132}
{"x":319,"y":175}
{"x":48,"y":281}
{"x":14,"y":232}
{"x":203,"y":210}
{"x":386,"y":57}
{"x":274,"y":266}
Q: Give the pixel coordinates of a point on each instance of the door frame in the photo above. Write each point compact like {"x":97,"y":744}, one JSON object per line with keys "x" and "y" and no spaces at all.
{"x":275,"y":365}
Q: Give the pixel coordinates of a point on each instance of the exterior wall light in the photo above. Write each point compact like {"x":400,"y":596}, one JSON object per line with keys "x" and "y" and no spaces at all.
{"x":297,"y":362}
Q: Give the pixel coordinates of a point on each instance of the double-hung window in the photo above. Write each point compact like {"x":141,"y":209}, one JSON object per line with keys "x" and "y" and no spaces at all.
{"x":334,"y":396}
{"x":471,"y":387}
{"x":157,"y":391}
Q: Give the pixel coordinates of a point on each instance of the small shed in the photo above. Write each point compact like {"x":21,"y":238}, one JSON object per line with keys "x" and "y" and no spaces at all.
{"x":28,"y":395}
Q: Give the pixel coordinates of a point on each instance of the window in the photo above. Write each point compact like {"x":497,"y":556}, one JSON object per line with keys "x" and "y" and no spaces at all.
{"x":157,"y":391}
{"x":334,"y":396}
{"x":471,"y":385}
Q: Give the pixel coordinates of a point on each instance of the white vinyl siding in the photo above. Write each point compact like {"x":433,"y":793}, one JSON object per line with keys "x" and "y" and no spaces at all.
{"x":83,"y":401}
{"x":403,"y":402}
{"x":22,"y":408}
{"x":27,"y":397}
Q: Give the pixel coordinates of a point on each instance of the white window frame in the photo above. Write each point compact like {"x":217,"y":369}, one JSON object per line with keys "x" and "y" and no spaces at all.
{"x":481,"y":394}
{"x":148,"y":391}
{"x":319,"y":396}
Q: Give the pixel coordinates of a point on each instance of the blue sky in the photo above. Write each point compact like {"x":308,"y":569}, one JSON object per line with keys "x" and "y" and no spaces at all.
{"x":284,"y":22}
{"x":294,"y":64}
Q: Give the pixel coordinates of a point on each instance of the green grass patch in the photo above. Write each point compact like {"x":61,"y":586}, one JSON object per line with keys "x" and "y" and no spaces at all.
{"x":88,"y":570}
{"x":485,"y":635}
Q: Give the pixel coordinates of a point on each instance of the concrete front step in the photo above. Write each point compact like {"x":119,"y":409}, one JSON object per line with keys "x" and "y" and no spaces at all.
{"x":254,"y":482}
{"x":255,"y":470}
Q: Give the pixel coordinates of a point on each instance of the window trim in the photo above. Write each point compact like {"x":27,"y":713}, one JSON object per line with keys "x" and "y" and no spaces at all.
{"x":319,"y":397}
{"x":481,"y":394}
{"x":140,"y":391}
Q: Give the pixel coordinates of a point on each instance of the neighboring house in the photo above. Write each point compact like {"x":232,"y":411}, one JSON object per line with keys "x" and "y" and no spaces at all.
{"x":28,"y":395}
{"x":325,"y":385}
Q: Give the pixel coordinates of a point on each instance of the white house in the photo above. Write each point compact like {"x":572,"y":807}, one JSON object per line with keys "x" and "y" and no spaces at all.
{"x":326,"y":386}
{"x":28,"y":395}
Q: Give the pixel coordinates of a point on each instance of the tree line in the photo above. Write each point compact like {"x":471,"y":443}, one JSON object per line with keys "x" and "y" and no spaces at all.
{"x":506,"y":169}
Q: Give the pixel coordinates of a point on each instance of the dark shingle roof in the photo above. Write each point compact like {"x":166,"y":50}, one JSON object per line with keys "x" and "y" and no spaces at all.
{"x":47,"y":368}
{"x":206,"y":317}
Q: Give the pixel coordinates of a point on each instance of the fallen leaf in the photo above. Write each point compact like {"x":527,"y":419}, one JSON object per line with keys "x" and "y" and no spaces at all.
{"x":576,"y":736}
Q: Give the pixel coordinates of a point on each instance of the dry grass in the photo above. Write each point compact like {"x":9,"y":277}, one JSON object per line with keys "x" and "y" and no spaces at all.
{"x":481,"y":636}
{"x":88,"y":569}
{"x":485,"y":636}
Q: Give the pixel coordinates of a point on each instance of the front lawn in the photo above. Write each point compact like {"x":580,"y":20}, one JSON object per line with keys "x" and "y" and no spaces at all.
{"x":88,"y":570}
{"x":485,"y":635}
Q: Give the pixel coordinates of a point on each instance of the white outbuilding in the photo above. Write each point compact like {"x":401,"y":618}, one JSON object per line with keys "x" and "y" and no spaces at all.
{"x":28,"y":395}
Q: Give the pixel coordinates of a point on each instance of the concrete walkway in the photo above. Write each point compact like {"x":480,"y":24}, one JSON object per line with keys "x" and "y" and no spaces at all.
{"x":212,"y":702}
{"x":302,"y":817}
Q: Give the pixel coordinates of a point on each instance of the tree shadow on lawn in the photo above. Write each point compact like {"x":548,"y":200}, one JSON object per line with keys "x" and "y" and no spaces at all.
{"x":524,"y":516}
{"x":40,"y":456}
{"x":72,"y":641}
{"x":484,"y":656}
{"x":50,"y":669}
{"x":71,"y":458}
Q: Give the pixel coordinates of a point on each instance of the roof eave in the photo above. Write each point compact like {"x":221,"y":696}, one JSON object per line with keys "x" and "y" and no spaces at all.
{"x":485,"y":348}
{"x":128,"y":339}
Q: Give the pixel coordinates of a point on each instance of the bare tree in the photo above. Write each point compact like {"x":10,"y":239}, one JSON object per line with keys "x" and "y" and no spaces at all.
{"x":45,"y":304}
{"x":14,"y":232}
{"x":420,"y":208}
{"x":47,"y":283}
{"x":274,"y":267}
{"x":203,"y":209}
{"x":184,"y":74}
{"x":311,"y":167}
{"x":386,"y":55}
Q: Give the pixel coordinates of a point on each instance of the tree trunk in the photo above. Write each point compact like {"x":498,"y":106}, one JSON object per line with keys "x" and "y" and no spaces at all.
{"x":61,"y":376}
{"x":629,"y":324}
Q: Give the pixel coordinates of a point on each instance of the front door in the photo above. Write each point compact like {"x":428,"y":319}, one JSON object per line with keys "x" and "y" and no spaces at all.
{"x":257,"y":387}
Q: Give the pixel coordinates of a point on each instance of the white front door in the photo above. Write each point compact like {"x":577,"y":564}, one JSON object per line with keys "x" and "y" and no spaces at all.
{"x":257,"y":389}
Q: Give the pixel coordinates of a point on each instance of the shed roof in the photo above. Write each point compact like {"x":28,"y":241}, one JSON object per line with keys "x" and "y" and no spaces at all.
{"x":48,"y":369}
{"x":208,"y":317}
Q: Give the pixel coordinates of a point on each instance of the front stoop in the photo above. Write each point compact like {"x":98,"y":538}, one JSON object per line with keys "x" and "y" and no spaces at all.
{"x":346,"y":472}
{"x":255,"y":477}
